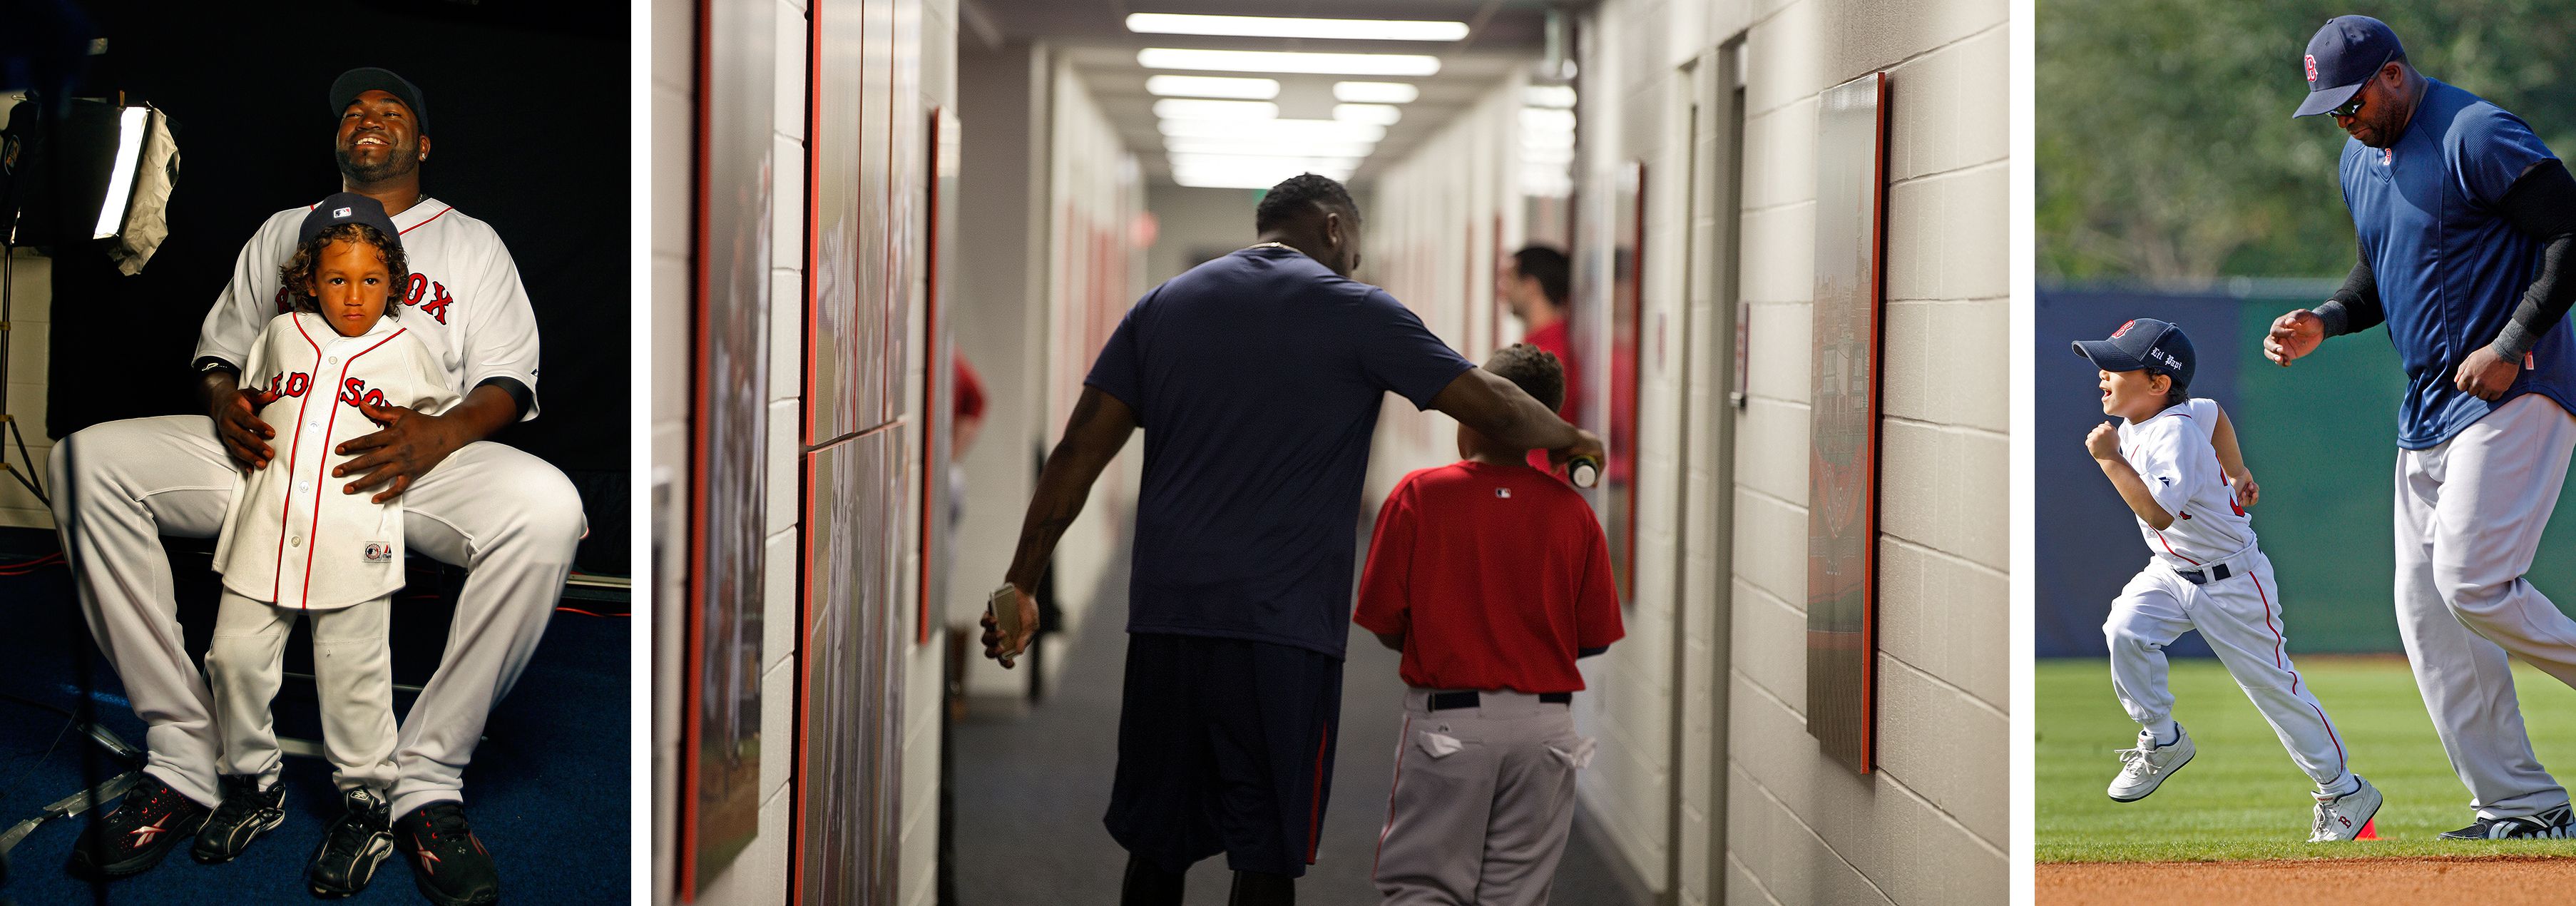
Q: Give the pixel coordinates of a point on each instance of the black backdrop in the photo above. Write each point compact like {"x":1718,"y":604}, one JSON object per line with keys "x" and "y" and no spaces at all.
{"x":528,"y":117}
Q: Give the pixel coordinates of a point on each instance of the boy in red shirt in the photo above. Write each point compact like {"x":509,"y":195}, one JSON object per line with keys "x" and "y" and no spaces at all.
{"x":1492,"y":577}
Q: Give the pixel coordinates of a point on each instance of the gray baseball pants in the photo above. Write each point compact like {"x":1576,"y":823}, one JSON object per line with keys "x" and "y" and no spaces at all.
{"x":1482,"y":802}
{"x":509,"y":518}
{"x":353,"y":671}
{"x":2469,"y":516}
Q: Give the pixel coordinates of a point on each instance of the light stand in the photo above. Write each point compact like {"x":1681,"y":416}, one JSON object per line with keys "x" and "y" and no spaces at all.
{"x":27,"y":476}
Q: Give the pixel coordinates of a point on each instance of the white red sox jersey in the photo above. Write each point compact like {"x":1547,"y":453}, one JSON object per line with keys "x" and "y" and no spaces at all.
{"x":292,"y":536}
{"x":464,"y":301}
{"x":2173,"y":453}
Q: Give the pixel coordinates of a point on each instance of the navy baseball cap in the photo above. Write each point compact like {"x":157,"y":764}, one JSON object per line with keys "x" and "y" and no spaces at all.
{"x":361,"y":80}
{"x":2144,"y":343}
{"x":2342,"y":57}
{"x":348,"y":207}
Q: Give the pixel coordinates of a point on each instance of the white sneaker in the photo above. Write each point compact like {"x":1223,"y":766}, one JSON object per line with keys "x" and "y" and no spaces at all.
{"x":2144,"y":768}
{"x":2343,"y":817}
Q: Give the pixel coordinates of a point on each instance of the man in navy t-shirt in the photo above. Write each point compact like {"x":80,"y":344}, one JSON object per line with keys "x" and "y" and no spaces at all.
{"x":2468,"y":228}
{"x":1258,"y":378}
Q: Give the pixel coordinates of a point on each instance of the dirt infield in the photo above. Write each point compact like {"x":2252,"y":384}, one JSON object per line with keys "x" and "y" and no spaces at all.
{"x":2343,"y":882}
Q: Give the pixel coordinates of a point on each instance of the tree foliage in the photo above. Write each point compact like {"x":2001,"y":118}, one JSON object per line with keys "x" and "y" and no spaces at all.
{"x":2166,"y":152}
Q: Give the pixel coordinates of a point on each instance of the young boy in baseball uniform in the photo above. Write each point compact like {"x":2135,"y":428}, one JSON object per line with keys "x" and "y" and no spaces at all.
{"x":2175,"y":461}
{"x":1492,"y":577}
{"x":294,"y":545}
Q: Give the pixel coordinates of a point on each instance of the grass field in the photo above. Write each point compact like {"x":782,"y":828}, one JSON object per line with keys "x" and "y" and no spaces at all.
{"x":2241,"y":797}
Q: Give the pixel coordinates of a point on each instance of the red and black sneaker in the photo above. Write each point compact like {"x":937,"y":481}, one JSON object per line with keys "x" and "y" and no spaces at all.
{"x":146,"y":825}
{"x":448,"y":864}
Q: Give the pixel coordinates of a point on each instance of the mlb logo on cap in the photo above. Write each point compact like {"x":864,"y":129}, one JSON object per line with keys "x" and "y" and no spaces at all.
{"x":340,"y":214}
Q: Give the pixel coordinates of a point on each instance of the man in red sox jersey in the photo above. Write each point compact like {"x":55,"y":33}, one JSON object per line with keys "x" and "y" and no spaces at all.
{"x":508,"y":517}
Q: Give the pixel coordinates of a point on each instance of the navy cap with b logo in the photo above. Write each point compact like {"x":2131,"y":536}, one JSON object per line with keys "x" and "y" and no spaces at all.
{"x":2145,"y":343}
{"x":348,"y":207}
{"x":2342,"y":57}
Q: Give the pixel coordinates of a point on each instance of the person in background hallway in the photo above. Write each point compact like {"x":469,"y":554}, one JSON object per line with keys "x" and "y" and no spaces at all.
{"x":1491,"y":578}
{"x":1258,"y":378}
{"x":1537,"y":284}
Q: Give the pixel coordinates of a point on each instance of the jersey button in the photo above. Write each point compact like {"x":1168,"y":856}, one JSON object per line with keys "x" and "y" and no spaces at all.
{"x":295,"y":541}
{"x":334,"y":360}
{"x":303,"y":484}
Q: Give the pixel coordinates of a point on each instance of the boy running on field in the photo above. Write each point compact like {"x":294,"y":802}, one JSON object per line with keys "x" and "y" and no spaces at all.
{"x":1491,"y":577}
{"x":2174,"y":459}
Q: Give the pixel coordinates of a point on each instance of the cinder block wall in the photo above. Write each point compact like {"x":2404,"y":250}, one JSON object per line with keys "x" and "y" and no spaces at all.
{"x":760,"y":874}
{"x":1708,"y":787}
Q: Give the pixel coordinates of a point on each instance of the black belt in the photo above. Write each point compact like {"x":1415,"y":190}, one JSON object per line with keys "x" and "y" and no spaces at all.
{"x":2217,"y":573}
{"x":1443,"y":701}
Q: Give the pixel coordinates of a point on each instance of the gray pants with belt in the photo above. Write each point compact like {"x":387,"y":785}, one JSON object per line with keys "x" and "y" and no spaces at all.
{"x":1482,"y":802}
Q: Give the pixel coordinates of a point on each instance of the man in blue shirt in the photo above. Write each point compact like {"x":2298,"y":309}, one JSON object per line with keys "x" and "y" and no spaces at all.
{"x":2467,"y":225}
{"x":1258,"y":378}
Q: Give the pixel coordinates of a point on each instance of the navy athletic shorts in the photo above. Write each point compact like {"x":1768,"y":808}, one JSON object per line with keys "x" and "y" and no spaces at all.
{"x":1224,"y":746}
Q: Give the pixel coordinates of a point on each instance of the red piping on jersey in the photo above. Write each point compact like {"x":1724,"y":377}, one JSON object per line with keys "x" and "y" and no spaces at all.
{"x":305,"y":601}
{"x":442,"y":212}
{"x":2160,"y":539}
{"x":277,"y":573}
{"x":1402,"y":737}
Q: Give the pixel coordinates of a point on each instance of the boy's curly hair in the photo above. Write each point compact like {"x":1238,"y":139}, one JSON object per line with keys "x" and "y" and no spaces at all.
{"x":297,"y":273}
{"x":1536,"y":371}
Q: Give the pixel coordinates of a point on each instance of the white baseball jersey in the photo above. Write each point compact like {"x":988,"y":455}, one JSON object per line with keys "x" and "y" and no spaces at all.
{"x":464,"y":303}
{"x":292,"y":536}
{"x":2172,"y":452}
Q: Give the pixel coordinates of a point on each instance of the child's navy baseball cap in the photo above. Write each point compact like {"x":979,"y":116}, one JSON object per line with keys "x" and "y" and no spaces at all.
{"x":2342,"y":57}
{"x":348,"y":207}
{"x":2145,"y":343}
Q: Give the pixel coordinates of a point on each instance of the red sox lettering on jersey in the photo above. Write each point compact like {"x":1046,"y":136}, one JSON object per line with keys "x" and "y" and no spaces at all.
{"x":462,"y":300}
{"x":430,"y":296}
{"x":294,"y":537}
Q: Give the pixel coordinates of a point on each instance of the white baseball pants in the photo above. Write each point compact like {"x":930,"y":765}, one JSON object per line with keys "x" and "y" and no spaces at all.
{"x":2469,"y":516}
{"x":353,"y":668}
{"x":506,"y":516}
{"x":1482,"y":802}
{"x":2240,"y":618}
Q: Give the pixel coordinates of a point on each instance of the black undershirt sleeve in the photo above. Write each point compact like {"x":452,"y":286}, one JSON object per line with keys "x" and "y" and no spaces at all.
{"x":2355,"y":307}
{"x":519,"y":393}
{"x":2542,"y":205}
{"x":1581,"y":653}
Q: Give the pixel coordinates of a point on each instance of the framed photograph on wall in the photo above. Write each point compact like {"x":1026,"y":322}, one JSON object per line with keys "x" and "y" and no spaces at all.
{"x":1842,"y":465}
{"x":728,"y":441}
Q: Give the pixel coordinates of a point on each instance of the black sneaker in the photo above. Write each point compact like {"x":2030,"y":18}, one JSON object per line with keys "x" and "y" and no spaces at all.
{"x":357,"y":842}
{"x":245,"y":813}
{"x":447,"y":863}
{"x":150,"y":820}
{"x":2551,"y":824}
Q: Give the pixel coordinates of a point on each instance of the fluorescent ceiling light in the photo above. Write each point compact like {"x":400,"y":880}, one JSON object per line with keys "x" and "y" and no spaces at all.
{"x":1195,"y":86}
{"x":1374,"y":114}
{"x":1261,"y":147}
{"x":120,"y":183}
{"x":1273,"y":130}
{"x":1248,"y":162}
{"x":1376,"y":64}
{"x":1248,"y":177}
{"x":1196,"y":109}
{"x":1375,"y":92}
{"x":1558,"y":97}
{"x":1535,"y":119}
{"x":1271,"y":27}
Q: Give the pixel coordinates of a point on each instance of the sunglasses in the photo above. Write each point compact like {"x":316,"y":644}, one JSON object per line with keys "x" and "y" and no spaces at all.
{"x":2352,"y":108}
